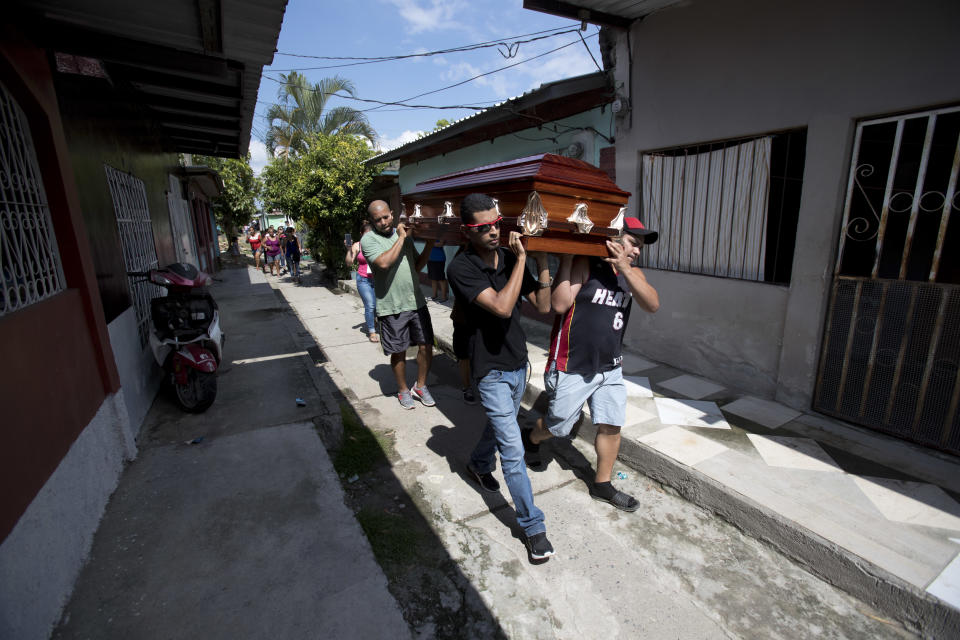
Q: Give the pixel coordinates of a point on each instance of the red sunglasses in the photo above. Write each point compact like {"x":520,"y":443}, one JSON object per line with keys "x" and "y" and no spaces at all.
{"x":483,"y":227}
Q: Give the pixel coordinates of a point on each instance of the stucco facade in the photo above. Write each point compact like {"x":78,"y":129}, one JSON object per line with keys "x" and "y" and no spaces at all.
{"x":712,"y":71}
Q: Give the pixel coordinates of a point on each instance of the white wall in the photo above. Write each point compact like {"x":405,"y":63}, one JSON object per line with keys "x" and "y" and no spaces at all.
{"x":139,"y":375}
{"x":723,"y":69}
{"x":43,"y":555}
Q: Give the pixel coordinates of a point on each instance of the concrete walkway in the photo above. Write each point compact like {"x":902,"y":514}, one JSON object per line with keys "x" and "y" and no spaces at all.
{"x":876,"y":516}
{"x":243,"y":533}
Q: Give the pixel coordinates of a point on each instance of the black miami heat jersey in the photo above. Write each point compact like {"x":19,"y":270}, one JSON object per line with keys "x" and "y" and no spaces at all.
{"x":587,"y":338}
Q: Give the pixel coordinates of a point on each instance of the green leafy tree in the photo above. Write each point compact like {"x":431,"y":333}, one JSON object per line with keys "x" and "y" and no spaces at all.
{"x":323,"y":188}
{"x":237,"y":204}
{"x":441,"y":124}
{"x":302,"y":113}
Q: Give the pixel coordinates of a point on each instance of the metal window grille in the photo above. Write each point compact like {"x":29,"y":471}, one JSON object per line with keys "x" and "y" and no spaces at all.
{"x":136,"y":239}
{"x":30,"y":264}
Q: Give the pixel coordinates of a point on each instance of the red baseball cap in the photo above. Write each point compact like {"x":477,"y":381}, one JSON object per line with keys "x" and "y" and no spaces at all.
{"x":635,"y":228}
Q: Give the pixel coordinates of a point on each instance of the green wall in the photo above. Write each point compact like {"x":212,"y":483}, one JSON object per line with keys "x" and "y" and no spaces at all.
{"x":527,"y":142}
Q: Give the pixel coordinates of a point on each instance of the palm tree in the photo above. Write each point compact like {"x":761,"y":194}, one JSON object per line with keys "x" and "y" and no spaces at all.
{"x":301,"y":113}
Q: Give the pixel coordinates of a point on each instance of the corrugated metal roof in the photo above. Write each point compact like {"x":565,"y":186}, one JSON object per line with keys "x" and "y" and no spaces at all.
{"x":512,"y":109}
{"x":619,"y":13}
{"x":195,"y":65}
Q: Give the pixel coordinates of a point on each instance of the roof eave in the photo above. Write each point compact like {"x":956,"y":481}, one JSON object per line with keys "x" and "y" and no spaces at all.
{"x":561,"y":98}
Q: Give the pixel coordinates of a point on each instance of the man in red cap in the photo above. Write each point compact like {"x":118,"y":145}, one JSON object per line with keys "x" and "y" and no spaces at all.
{"x":592,"y":297}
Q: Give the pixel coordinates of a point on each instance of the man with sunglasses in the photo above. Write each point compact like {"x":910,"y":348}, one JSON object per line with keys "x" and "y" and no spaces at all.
{"x":488,"y":282}
{"x":593,"y":297}
{"x":401,"y":307}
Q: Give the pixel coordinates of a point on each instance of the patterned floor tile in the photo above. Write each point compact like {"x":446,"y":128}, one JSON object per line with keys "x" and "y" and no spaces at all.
{"x":691,"y":386}
{"x":683,"y":446}
{"x":912,"y":502}
{"x":690,"y":413}
{"x":946,"y":586}
{"x":793,"y":453}
{"x":764,"y":412}
{"x":638,"y":387}
{"x":634,"y":363}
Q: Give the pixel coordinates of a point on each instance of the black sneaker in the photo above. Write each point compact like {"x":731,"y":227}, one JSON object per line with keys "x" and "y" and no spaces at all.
{"x":538,"y":546}
{"x":486,"y":480}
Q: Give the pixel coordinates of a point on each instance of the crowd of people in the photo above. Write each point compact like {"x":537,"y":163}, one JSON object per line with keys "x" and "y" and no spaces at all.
{"x":275,"y":251}
{"x":488,"y":281}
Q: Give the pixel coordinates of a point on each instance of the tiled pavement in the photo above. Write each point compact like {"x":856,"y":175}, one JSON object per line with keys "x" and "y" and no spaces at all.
{"x":875,"y":515}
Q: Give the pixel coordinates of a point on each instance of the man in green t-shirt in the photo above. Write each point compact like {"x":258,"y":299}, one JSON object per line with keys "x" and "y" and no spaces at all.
{"x":401,"y":307}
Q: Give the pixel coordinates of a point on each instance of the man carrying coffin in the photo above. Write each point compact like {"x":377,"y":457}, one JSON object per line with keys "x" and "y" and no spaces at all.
{"x":593,"y":296}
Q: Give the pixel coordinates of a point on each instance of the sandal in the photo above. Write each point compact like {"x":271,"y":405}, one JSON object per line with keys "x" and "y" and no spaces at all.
{"x":373,"y":337}
{"x":620,"y":500}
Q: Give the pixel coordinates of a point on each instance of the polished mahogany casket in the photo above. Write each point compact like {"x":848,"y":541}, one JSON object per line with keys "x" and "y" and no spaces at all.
{"x":560,"y":205}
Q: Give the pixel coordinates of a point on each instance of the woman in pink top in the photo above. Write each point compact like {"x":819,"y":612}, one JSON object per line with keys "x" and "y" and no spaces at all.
{"x":271,"y":243}
{"x":364,"y":283}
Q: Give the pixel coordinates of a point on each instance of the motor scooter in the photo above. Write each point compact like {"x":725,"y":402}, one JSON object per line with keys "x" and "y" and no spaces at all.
{"x":185,"y":337}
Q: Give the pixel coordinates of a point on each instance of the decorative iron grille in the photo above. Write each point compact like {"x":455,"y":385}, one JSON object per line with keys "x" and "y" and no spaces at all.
{"x":891,"y":352}
{"x":30,"y":264}
{"x":136,"y":239}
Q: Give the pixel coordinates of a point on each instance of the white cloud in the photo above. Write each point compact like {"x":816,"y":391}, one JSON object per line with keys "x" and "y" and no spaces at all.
{"x":566,"y":63}
{"x":259,"y":157}
{"x":499,"y":83}
{"x":386,"y":144}
{"x":434,"y":15}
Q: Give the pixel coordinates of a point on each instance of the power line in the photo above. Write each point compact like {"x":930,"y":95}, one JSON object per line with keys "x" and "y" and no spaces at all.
{"x":489,"y":72}
{"x":403,"y":103}
{"x":466,"y":47}
{"x":510,"y":50}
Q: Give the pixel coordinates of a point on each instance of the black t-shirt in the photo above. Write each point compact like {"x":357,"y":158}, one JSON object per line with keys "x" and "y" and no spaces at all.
{"x":497,"y":344}
{"x":587,"y":339}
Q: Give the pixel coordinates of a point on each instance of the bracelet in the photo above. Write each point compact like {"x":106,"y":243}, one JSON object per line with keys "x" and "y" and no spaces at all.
{"x":545,"y":285}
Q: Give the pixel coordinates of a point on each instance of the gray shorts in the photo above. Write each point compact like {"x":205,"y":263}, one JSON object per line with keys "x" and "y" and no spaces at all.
{"x":400,"y":331}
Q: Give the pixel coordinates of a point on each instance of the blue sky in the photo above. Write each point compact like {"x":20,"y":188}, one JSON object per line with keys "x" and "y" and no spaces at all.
{"x":370,"y":28}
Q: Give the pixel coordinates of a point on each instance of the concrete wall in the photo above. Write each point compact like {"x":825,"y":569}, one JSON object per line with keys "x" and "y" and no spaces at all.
{"x":527,"y":142}
{"x":707,"y":71}
{"x":44,"y":553}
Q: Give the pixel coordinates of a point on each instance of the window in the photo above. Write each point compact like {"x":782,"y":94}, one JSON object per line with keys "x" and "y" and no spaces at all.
{"x":726,"y":209}
{"x":136,"y":238}
{"x":30,"y":265}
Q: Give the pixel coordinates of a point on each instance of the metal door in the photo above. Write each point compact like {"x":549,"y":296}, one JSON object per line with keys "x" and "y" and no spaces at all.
{"x":892,"y":343}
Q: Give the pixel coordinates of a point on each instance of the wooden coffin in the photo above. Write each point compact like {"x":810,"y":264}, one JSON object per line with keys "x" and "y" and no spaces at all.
{"x":561,"y":205}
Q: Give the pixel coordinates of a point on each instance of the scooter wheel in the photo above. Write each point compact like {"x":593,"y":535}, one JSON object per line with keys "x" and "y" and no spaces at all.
{"x":198,"y":393}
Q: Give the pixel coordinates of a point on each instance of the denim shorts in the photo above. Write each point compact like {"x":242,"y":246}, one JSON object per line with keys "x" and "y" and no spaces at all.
{"x":605,"y":393}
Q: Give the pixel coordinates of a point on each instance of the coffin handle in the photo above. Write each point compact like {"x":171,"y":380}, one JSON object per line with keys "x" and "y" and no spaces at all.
{"x":617,"y":222}
{"x":533,"y":218}
{"x":579,"y":218}
{"x":447,"y":216}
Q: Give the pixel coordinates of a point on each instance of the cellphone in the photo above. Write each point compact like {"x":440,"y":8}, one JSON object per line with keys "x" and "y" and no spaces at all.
{"x":347,"y":238}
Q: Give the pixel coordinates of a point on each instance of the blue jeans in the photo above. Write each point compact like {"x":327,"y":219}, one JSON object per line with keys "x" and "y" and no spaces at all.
{"x":369,"y":297}
{"x":500,"y":394}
